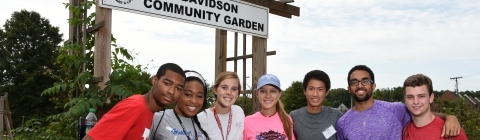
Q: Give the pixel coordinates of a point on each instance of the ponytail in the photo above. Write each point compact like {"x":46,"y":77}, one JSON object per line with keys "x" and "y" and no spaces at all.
{"x":195,"y":119}
{"x":287,"y":123}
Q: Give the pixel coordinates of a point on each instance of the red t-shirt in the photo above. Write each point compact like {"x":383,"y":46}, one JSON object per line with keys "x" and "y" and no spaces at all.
{"x":431,"y":131}
{"x":130,"y":119}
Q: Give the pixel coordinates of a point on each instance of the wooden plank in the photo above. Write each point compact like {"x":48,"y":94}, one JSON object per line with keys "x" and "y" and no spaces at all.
{"x":220,"y":51}
{"x":2,"y":115}
{"x":282,"y":14}
{"x":71,"y":28}
{"x":102,"y":57}
{"x":279,"y":6}
{"x":69,"y":41}
{"x":259,"y":62}
{"x":9,"y":129}
{"x":249,"y":56}
{"x":103,"y":43}
{"x":84,"y":37}
{"x":89,"y":30}
{"x":235,"y":54}
{"x":244,"y":64}
{"x":7,"y":111}
{"x":96,"y":27}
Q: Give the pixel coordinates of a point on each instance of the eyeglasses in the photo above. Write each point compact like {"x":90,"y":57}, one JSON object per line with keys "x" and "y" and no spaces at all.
{"x":363,"y":81}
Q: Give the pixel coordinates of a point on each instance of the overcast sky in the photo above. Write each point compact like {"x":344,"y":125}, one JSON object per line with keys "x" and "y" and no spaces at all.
{"x":396,"y":39}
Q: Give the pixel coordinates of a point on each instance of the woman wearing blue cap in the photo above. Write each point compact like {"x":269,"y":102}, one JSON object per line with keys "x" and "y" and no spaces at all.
{"x":271,"y":122}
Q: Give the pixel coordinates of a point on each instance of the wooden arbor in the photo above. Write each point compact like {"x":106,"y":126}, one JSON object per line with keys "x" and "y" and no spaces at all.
{"x":259,"y":46}
{"x":103,"y":32}
{"x":102,"y":29}
{"x":5,"y":117}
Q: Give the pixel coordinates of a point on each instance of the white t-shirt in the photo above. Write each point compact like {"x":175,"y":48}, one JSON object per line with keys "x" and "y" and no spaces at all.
{"x":209,"y":124}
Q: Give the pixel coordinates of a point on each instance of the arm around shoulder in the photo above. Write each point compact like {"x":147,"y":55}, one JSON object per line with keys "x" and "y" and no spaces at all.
{"x":462,"y":136}
{"x":116,"y":123}
{"x":452,"y":125}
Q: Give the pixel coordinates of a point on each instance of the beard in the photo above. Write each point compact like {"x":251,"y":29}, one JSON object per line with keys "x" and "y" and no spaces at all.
{"x":362,"y":99}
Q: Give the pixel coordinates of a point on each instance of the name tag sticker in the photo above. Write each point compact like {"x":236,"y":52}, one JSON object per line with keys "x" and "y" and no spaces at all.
{"x":146,"y":132}
{"x":329,"y":132}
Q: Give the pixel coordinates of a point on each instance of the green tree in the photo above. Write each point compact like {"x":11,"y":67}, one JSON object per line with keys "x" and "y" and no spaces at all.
{"x":246,"y":103}
{"x":293,"y":97}
{"x":379,"y":94}
{"x":29,"y":47}
{"x":210,"y":95}
{"x":336,"y":97}
{"x":469,"y":117}
{"x":397,"y":94}
{"x":389,"y":94}
{"x":438,"y":93}
{"x":70,"y":94}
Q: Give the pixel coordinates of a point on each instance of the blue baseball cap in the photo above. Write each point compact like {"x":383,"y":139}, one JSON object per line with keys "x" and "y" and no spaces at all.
{"x":268,"y":79}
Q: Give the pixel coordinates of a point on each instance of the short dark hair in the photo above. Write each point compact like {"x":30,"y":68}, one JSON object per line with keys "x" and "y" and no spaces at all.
{"x":317,"y":75}
{"x":364,"y":68}
{"x":418,"y":80}
{"x":170,"y":66}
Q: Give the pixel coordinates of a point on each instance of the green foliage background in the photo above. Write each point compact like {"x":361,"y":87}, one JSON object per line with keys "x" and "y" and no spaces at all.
{"x":28,"y":47}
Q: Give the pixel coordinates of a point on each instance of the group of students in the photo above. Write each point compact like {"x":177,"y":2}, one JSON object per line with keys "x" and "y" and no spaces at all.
{"x":145,"y":117}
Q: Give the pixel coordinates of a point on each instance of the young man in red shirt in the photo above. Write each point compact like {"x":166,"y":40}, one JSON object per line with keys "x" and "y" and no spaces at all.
{"x":131,"y":118}
{"x":418,"y":91}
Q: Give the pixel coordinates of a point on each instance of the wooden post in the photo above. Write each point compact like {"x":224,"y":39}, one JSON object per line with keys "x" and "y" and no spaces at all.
{"x":2,"y":116}
{"x":245,"y":69}
{"x":259,"y":68}
{"x":84,"y":35}
{"x":103,"y":41}
{"x":5,"y":117}
{"x":235,"y":53}
{"x":8,"y":116}
{"x":102,"y":51}
{"x":72,"y":30}
{"x":220,"y":51}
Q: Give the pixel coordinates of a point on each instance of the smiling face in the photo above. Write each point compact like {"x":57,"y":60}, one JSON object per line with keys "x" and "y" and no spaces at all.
{"x":362,"y":87}
{"x":191,"y":100}
{"x":315,"y":92}
{"x":227,"y":92}
{"x":418,"y":100}
{"x":268,"y":96}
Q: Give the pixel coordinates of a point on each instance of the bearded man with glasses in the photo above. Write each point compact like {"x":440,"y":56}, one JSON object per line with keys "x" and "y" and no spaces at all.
{"x":373,"y":119}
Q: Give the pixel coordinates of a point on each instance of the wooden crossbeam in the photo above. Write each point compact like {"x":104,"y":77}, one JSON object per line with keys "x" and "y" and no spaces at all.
{"x":5,"y":117}
{"x":249,"y":56}
{"x":279,"y":13}
{"x":278,"y":8}
{"x":89,"y":30}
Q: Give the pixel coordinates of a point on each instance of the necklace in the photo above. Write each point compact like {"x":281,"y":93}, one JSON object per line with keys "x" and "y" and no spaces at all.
{"x":181,"y":124}
{"x":268,"y":116}
{"x":365,"y":119}
{"x":361,"y":114}
{"x":220,"y":124}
